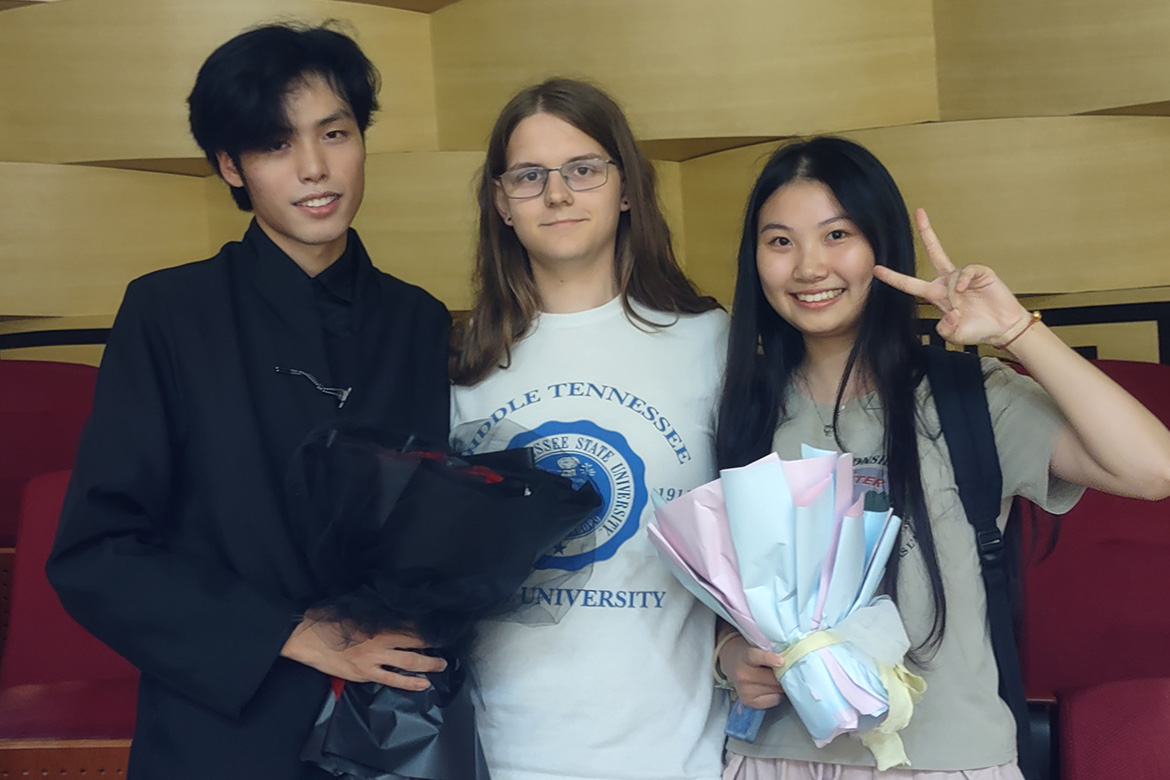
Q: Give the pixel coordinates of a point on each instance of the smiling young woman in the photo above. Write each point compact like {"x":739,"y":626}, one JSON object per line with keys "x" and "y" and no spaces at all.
{"x":824,"y":350}
{"x":815,"y":265}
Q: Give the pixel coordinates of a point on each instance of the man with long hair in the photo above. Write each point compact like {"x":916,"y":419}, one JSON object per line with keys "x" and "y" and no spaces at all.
{"x":588,"y":344}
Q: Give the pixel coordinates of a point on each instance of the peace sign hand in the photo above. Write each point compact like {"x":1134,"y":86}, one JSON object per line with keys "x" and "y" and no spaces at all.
{"x":976,"y":305}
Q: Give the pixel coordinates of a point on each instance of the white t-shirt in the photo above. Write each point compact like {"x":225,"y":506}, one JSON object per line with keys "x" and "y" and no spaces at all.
{"x":604,"y":673}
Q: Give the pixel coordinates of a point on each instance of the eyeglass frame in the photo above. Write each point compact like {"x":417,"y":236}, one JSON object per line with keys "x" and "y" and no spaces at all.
{"x":548,"y":175}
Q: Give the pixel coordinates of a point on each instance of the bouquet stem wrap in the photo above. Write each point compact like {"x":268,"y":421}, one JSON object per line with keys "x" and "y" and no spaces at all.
{"x":368,"y":731}
{"x":903,"y":689}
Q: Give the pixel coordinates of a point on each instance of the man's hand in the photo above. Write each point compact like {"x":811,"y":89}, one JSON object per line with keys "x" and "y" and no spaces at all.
{"x":329,"y":648}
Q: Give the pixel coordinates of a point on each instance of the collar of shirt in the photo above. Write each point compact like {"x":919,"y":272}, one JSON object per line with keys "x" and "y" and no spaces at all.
{"x":290,"y":289}
{"x":338,"y":279}
{"x":335,"y":307}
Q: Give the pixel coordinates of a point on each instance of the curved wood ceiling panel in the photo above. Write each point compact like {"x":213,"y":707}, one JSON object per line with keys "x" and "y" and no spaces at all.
{"x":77,"y":235}
{"x":692,"y":68}
{"x":108,"y":79}
{"x":1003,"y":58}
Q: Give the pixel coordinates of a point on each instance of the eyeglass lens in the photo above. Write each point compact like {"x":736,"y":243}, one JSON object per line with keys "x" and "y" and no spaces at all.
{"x":579,"y":175}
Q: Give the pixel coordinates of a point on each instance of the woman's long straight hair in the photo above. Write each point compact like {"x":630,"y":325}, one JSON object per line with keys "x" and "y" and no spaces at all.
{"x":764,"y":350}
{"x":645,"y":269}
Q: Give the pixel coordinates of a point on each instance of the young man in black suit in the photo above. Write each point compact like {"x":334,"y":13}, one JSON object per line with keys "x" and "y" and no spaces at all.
{"x":175,"y":545}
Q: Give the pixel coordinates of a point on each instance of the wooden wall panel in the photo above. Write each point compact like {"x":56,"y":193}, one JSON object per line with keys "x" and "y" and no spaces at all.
{"x":77,"y":235}
{"x":105,"y":758}
{"x":85,"y":354}
{"x":108,"y":79}
{"x":418,"y":220}
{"x":89,"y":354}
{"x":1000,"y":58}
{"x":1067,"y":204}
{"x":423,"y":6}
{"x":1098,"y":298}
{"x":1114,"y":340}
{"x":6,"y":5}
{"x":225,"y":221}
{"x":692,"y":68}
{"x":670,"y":199}
{"x":715,"y":189}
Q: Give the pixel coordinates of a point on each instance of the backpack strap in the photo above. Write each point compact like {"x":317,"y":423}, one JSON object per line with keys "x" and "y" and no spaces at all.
{"x":956,"y":380}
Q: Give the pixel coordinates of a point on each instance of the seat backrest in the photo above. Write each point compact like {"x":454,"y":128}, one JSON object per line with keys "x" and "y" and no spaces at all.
{"x":44,"y":644}
{"x":1093,"y":608}
{"x":1117,"y":729}
{"x":43,"y":407}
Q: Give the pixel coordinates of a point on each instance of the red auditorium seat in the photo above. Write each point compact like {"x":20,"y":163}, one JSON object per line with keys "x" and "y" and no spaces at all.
{"x":1115,"y":730}
{"x":1094,"y":608}
{"x":57,"y":682}
{"x":1095,"y":622}
{"x":43,"y":406}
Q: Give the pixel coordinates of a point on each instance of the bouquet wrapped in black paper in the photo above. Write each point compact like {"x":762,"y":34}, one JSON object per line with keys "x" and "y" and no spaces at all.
{"x":401,"y":536}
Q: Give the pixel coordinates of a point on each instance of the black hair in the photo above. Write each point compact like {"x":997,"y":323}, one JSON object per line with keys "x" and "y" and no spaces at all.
{"x":237,"y":103}
{"x":764,"y":350}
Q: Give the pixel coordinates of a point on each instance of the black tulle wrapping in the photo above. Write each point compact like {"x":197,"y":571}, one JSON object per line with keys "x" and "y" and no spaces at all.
{"x":404,"y":536}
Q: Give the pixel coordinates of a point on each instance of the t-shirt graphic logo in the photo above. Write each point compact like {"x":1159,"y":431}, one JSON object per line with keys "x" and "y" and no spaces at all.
{"x":578,"y":470}
{"x":585,"y":452}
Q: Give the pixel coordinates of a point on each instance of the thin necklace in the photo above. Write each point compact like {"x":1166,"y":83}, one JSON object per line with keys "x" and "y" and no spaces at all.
{"x":826,"y":427}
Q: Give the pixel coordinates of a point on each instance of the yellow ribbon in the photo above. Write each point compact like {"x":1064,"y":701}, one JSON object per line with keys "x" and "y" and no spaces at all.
{"x":904,"y":689}
{"x":817,"y":640}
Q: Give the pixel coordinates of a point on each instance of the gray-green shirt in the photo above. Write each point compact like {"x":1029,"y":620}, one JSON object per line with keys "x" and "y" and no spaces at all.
{"x":961,"y":722}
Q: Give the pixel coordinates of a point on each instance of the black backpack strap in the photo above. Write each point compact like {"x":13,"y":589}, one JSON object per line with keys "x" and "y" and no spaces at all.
{"x":956,"y":380}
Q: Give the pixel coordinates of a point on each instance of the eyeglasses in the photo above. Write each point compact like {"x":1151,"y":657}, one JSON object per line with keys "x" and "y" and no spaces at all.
{"x":579,"y":176}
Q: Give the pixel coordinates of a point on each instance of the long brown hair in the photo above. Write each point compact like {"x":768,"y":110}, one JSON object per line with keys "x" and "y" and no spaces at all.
{"x":645,"y":268}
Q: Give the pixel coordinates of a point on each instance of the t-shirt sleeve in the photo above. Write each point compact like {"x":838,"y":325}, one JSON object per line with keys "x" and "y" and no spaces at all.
{"x":1026,"y":422}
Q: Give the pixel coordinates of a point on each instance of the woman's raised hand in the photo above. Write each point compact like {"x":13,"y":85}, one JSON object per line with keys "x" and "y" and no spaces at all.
{"x":977,"y":307}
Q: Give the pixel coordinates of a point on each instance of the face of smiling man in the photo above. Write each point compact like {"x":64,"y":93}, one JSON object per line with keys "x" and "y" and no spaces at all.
{"x":306,"y":190}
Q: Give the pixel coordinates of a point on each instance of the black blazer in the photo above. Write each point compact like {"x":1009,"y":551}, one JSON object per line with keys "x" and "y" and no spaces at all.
{"x":174,"y":545}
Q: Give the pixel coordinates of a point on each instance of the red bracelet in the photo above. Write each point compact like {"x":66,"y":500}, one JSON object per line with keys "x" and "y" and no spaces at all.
{"x":1031,"y":321}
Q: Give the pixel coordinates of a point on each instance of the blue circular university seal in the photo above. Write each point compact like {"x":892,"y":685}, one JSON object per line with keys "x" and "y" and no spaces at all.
{"x":585,"y":452}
